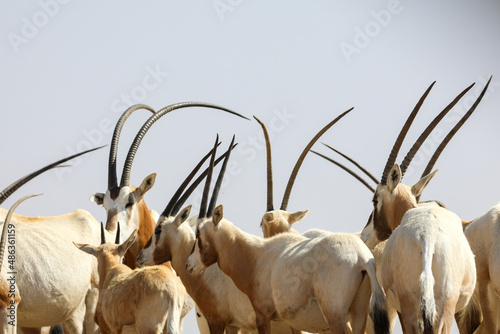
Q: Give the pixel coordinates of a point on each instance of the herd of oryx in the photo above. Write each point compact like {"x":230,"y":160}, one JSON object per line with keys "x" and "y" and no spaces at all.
{"x":143,"y":272}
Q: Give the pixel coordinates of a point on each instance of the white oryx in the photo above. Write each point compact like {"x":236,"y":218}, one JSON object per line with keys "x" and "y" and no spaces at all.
{"x":221,"y":303}
{"x":289,"y":276}
{"x":52,"y":283}
{"x":427,"y":267}
{"x":147,"y":300}
{"x":125,"y":203}
{"x":280,"y":221}
{"x":483,"y":235}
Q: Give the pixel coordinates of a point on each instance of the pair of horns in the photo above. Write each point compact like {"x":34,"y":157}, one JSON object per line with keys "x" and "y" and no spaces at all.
{"x":204,"y":212}
{"x":178,"y":199}
{"x":6,"y":224}
{"x":125,"y":179}
{"x":416,"y":146}
{"x":103,"y":236}
{"x":291,"y":180}
{"x":17,"y":184}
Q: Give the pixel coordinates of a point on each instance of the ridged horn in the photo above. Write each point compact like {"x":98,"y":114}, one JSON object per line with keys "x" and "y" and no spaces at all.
{"x":195,"y":184}
{"x":6,"y":223}
{"x":291,"y":180}
{"x":206,"y":189}
{"x":168,"y":209}
{"x":402,"y":134}
{"x":142,"y":132}
{"x":112,"y":178}
{"x":354,"y":162}
{"x":453,"y":131}
{"x":16,"y":185}
{"x":270,"y":205}
{"x":103,"y":235}
{"x":218,"y":184}
{"x":359,"y":178}
{"x":411,"y":153}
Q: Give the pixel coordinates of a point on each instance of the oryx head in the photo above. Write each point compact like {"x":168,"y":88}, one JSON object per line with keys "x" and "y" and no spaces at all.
{"x":391,"y":198}
{"x":279,"y":221}
{"x":124,"y":203}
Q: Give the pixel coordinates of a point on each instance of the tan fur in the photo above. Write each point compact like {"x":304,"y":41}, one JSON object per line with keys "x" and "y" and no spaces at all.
{"x":140,"y":298}
{"x":289,"y":275}
{"x":222,"y":304}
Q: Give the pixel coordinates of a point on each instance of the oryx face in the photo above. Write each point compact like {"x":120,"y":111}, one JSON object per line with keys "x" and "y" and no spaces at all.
{"x":203,"y":254}
{"x":125,"y":205}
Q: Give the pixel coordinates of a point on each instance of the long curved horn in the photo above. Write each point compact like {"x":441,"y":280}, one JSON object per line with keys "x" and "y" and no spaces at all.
{"x":291,"y":180}
{"x":218,"y":184}
{"x":402,"y":134}
{"x":168,"y":209}
{"x":142,"y":132}
{"x":270,"y":205}
{"x":206,"y":189}
{"x":359,"y":178}
{"x":453,"y":131}
{"x":6,"y":224}
{"x":112,"y":178}
{"x":364,"y":170}
{"x":195,"y":184}
{"x":411,"y":153}
{"x":16,"y":185}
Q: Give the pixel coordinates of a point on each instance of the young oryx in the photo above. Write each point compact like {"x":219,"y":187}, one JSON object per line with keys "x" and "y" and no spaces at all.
{"x":309,"y":283}
{"x":427,"y":267}
{"x":125,"y":203}
{"x":221,"y":302}
{"x":139,"y":299}
{"x":53,"y":283}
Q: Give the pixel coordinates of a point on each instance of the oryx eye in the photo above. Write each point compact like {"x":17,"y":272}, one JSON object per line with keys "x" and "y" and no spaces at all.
{"x":128,"y":205}
{"x":158,"y":230}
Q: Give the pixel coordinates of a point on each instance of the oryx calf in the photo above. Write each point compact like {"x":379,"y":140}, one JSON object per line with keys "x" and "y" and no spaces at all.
{"x":139,"y":299}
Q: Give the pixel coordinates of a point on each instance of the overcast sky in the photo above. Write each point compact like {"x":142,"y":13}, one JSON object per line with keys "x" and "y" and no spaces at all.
{"x":70,"y":68}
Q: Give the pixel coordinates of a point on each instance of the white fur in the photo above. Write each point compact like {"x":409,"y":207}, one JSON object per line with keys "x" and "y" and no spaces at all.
{"x":484,"y":238}
{"x":427,"y":261}
{"x":57,"y":282}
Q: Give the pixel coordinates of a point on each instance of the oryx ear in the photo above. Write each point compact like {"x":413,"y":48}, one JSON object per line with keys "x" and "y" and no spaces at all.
{"x":182,"y":216}
{"x":297,"y":216}
{"x":86,"y":248}
{"x":147,"y":184}
{"x":98,"y":198}
{"x":394,"y":178}
{"x":218,"y":215}
{"x":126,"y":245}
{"x":418,"y":187}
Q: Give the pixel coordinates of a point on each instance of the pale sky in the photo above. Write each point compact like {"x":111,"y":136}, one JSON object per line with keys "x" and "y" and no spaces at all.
{"x":70,"y":68}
